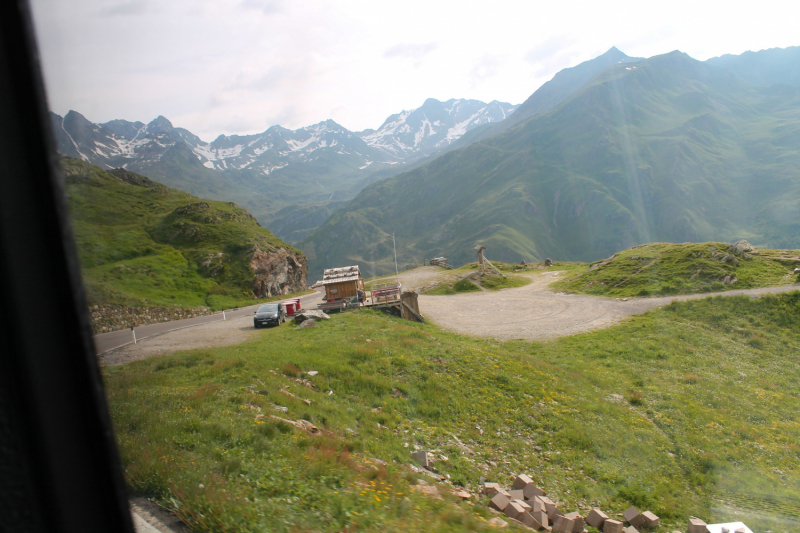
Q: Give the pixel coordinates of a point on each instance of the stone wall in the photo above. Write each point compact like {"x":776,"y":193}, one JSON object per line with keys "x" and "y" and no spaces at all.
{"x":107,"y":318}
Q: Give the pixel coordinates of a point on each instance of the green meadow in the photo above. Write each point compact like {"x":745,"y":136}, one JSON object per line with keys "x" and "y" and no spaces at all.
{"x":687,"y":410}
{"x":665,"y":268}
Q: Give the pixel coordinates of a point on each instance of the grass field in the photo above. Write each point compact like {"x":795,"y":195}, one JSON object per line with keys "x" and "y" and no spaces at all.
{"x":666,"y":268}
{"x":677,"y":410}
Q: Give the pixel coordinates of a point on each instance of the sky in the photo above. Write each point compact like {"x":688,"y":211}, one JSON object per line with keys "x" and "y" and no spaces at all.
{"x":240,"y":66}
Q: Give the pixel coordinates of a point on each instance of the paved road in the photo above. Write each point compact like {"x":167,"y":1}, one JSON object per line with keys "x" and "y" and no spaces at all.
{"x":109,"y":341}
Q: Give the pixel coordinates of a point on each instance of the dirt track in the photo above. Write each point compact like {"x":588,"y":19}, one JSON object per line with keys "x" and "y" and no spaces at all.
{"x":535,"y":312}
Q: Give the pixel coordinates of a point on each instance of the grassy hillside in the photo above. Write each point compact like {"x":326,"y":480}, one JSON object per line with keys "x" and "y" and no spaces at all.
{"x":665,"y":268}
{"x":666,"y":149}
{"x":141,"y":243}
{"x":685,"y":410}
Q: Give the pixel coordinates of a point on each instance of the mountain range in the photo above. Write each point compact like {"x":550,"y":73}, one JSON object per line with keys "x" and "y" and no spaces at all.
{"x":663,"y":149}
{"x":310,"y":166}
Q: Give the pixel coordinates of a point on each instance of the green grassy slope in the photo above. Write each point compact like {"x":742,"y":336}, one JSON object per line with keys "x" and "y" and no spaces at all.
{"x":141,"y":243}
{"x":664,"y":268}
{"x":670,"y":150}
{"x":677,"y":411}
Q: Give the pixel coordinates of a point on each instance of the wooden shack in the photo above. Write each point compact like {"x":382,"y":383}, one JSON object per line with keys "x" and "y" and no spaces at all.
{"x":341,"y":283}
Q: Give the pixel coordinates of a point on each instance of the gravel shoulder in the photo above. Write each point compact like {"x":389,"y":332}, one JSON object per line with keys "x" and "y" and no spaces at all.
{"x":534,"y":312}
{"x":206,"y":335}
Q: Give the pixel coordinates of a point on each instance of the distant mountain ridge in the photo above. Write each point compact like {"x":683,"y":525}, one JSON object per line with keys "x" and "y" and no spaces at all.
{"x":402,"y":137}
{"x":302,"y":169}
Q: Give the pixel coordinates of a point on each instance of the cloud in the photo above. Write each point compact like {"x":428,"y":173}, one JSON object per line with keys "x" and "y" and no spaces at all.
{"x":268,"y":7}
{"x":413,"y":51}
{"x":116,"y":8}
{"x":483,"y":69}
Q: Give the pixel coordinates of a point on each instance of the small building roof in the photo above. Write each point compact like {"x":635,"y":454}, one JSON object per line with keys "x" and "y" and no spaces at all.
{"x":338,"y":275}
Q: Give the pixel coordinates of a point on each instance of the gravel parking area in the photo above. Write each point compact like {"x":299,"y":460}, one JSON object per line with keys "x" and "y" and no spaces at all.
{"x":535,"y":312}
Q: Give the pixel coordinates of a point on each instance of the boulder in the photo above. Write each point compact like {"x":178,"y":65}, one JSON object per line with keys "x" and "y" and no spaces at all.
{"x":310,"y":323}
{"x":741,"y":247}
{"x":548,"y":262}
{"x":729,"y":280}
{"x":306,"y":314}
{"x":730,"y":259}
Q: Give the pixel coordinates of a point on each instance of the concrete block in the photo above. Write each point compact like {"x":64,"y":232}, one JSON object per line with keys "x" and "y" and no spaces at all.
{"x":525,"y":505}
{"x":577,"y":520}
{"x":531,"y":491}
{"x":612,"y":526}
{"x":499,"y":502}
{"x":516,"y":494}
{"x":421,"y":458}
{"x":521,"y":481}
{"x":633,"y":517}
{"x":537,"y":504}
{"x":490,"y":489}
{"x":630,"y":529}
{"x":541,"y":517}
{"x":595,"y":518}
{"x":563,"y":524}
{"x":697,"y":526}
{"x":513,"y":510}
{"x":650,"y":520}
{"x":530,"y":521}
{"x":550,"y":507}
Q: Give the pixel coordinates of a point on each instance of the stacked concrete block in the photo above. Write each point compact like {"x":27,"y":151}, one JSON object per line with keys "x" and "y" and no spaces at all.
{"x":577,"y":521}
{"x":595,"y":518}
{"x":541,"y":518}
{"x":633,"y":516}
{"x":521,"y":481}
{"x":563,"y":524}
{"x":528,"y":520}
{"x":525,"y":505}
{"x":650,"y":520}
{"x":528,"y":504}
{"x":550,"y":507}
{"x":516,"y":494}
{"x":538,"y":504}
{"x":697,"y":526}
{"x":531,"y":491}
{"x":514,"y":510}
{"x":490,"y":489}
{"x":499,"y":502}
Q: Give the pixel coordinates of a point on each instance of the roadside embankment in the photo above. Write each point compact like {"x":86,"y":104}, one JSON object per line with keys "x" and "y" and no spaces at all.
{"x":106,"y":318}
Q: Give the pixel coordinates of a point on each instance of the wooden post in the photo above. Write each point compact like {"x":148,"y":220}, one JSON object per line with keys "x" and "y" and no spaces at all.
{"x":409,"y":307}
